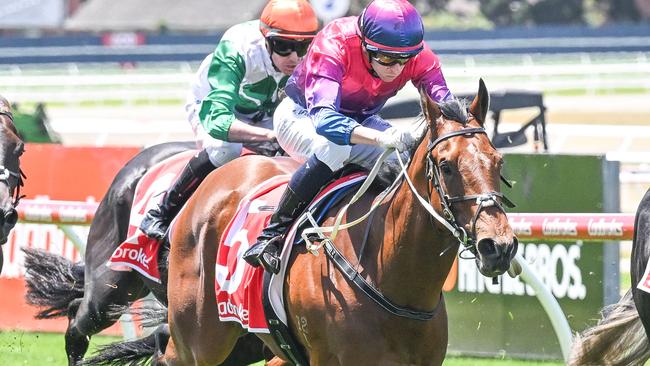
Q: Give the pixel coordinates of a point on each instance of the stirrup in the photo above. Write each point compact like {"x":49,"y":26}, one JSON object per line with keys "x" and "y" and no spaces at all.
{"x":266,"y":254}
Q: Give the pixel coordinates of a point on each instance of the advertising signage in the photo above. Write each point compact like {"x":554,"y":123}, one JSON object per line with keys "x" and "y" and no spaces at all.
{"x":506,"y":318}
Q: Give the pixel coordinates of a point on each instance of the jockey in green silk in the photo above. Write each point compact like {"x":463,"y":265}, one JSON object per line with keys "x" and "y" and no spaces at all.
{"x":234,"y":95}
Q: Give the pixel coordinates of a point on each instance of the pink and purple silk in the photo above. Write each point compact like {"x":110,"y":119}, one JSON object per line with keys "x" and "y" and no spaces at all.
{"x":336,"y":75}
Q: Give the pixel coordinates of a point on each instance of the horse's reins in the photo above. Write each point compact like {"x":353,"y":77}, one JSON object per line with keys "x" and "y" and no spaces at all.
{"x":448,"y":221}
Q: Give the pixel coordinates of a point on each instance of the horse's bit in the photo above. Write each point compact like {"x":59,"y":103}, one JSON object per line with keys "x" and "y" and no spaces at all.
{"x":483,"y":200}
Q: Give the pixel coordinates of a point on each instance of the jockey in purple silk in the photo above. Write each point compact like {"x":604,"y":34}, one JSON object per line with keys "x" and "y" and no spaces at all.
{"x":353,"y":66}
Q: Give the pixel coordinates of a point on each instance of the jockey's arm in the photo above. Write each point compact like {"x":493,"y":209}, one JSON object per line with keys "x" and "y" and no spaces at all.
{"x":225,"y":75}
{"x":365,"y":135}
{"x":242,"y":132}
{"x":344,"y":130}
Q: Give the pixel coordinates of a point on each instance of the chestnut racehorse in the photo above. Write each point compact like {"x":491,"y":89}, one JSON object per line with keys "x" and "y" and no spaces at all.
{"x":407,"y":255}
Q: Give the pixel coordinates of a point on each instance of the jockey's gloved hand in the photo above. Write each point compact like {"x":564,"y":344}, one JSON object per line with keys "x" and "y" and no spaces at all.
{"x":398,"y":138}
{"x":266,"y":148}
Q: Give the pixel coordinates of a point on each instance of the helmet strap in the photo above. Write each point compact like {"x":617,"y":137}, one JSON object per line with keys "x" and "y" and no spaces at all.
{"x":363,"y":42}
{"x":371,"y":70}
{"x":269,"y":48}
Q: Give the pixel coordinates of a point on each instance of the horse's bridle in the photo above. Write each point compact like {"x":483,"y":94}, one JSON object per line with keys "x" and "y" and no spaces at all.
{"x":447,"y":219}
{"x":483,"y":200}
{"x":6,"y":173}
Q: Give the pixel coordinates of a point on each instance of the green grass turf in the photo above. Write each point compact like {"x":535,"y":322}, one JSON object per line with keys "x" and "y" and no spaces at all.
{"x":37,"y":349}
{"x":23,"y":348}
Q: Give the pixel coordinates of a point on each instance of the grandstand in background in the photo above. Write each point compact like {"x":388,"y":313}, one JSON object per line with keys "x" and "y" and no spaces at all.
{"x":161,"y":15}
{"x":43,"y":17}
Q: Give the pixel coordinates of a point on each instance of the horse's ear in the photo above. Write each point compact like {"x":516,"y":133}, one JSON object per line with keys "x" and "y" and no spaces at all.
{"x":429,"y":107}
{"x":481,"y":103}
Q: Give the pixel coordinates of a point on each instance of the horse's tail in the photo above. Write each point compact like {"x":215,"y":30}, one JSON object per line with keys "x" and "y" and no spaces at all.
{"x":149,"y":313}
{"x":617,"y":339}
{"x":137,"y":352}
{"x":52,"y":282}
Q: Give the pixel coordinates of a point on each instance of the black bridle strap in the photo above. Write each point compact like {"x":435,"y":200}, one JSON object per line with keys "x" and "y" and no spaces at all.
{"x":433,"y":177}
{"x":5,"y":174}
{"x":8,"y":115}
{"x":352,"y":275}
{"x":465,"y":131}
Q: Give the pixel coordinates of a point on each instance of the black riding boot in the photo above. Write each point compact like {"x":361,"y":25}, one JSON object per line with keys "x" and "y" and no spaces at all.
{"x":306,"y":182}
{"x":156,"y":222}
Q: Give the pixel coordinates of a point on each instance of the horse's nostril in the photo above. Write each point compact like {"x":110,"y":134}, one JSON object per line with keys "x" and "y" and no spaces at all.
{"x":487,"y":248}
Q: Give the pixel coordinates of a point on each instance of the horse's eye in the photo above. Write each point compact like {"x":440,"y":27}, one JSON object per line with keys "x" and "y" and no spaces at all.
{"x":445,"y":167}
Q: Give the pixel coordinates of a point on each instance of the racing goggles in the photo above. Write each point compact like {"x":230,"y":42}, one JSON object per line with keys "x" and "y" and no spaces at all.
{"x":284,"y":47}
{"x":389,"y":60}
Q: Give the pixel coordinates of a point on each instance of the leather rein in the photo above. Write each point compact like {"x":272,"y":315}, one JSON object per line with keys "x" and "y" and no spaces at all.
{"x":483,"y":200}
{"x":433,"y":175}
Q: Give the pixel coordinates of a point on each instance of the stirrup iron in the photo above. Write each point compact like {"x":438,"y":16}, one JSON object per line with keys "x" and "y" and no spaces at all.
{"x":262,"y":254}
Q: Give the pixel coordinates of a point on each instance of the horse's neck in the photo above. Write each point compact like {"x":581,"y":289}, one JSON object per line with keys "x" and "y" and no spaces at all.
{"x":411,"y":267}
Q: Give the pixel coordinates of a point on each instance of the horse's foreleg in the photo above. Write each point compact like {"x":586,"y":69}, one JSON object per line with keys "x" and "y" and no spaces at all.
{"x":76,"y":344}
{"x":166,"y":356}
{"x":94,"y":313}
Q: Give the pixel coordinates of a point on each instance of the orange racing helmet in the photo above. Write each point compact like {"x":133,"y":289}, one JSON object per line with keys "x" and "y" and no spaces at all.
{"x":293,"y":19}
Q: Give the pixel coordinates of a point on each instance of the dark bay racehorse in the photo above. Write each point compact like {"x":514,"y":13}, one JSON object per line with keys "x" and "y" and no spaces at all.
{"x":11,"y":177}
{"x":622,"y":336}
{"x":407,"y":254}
{"x":90,"y":294}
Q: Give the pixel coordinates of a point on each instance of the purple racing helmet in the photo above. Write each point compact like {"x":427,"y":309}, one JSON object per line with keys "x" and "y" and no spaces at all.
{"x":393,"y":27}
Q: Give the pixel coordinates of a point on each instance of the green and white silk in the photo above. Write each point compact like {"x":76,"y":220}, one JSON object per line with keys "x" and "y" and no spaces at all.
{"x":238,"y":81}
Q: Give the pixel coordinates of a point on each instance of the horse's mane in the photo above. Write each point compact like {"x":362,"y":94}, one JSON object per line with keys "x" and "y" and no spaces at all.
{"x":453,"y":109}
{"x":456,"y":110}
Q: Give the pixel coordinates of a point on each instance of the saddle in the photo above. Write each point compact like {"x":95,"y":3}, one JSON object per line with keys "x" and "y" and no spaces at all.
{"x":139,"y":252}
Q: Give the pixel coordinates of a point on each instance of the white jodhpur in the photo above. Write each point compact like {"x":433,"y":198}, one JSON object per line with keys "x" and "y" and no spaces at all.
{"x":296,"y":133}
